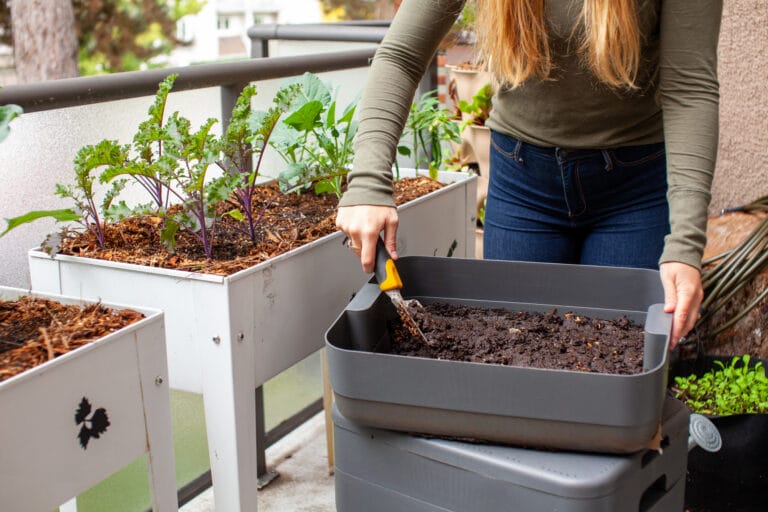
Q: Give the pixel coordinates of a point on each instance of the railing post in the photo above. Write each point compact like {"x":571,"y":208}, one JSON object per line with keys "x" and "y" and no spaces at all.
{"x":259,"y":48}
{"x":229,"y":94}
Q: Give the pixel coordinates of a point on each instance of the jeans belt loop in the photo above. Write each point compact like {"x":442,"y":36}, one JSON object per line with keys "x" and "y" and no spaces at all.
{"x":608,"y":160}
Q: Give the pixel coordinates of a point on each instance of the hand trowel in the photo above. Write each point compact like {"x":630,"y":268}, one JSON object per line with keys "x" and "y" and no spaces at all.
{"x":391,"y":284}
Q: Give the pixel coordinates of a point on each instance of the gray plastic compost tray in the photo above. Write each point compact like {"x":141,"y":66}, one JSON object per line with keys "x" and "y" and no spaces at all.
{"x":384,"y":471}
{"x":506,"y":404}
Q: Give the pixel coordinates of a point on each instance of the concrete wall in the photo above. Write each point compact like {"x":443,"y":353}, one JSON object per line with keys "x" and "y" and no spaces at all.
{"x":742,"y":171}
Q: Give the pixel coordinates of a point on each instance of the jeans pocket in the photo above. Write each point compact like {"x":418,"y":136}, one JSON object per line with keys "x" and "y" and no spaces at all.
{"x":633,"y":156}
{"x":504,"y":145}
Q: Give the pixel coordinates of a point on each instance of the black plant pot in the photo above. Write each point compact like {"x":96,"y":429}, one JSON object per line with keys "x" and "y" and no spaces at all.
{"x":734,"y":479}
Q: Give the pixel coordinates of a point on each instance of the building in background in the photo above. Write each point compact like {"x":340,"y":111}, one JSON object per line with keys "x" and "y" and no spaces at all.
{"x":218,"y":32}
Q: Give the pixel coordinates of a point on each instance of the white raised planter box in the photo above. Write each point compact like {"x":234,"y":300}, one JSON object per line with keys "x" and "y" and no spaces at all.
{"x":42,"y":461}
{"x":228,"y":335}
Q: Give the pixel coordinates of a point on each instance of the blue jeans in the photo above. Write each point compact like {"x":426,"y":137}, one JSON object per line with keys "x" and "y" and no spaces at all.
{"x":593,"y":207}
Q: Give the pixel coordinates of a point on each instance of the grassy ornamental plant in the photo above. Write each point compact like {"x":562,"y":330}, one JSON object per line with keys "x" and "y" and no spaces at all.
{"x":735,"y":388}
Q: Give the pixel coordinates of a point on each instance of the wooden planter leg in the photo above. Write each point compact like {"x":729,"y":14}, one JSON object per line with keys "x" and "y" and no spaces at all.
{"x":327,"y":407}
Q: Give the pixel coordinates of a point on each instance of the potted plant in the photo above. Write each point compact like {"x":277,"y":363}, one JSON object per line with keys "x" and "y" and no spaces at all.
{"x":230,"y":332}
{"x":475,"y":136}
{"x":470,"y":73}
{"x":428,"y":133}
{"x":733,"y":393}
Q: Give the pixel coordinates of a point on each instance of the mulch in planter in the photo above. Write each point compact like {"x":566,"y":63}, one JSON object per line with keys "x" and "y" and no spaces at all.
{"x":289,"y":221}
{"x":35,"y":330}
{"x":520,"y":338}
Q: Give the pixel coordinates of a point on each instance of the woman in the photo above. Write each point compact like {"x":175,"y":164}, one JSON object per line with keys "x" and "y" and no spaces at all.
{"x":604,"y":133}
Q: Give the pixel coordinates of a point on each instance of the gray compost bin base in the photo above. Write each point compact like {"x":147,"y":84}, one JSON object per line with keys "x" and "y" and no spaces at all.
{"x":385,"y":471}
{"x":520,"y":406}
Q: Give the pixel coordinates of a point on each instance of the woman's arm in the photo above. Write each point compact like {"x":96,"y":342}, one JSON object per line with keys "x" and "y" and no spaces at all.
{"x":689,"y":94}
{"x":399,"y":64}
{"x":689,"y":98}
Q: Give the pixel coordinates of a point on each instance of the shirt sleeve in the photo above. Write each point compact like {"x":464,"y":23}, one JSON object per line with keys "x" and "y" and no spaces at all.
{"x":399,"y":63}
{"x":689,"y":93}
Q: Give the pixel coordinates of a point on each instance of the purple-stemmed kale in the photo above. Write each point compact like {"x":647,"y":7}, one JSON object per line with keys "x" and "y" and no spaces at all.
{"x":247,"y":136}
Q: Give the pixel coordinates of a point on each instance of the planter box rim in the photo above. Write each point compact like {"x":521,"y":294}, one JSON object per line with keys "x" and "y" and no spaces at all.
{"x":37,"y":252}
{"x":151,"y":315}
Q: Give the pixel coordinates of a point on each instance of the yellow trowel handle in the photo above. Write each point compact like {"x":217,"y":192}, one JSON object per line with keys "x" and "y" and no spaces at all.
{"x":385,"y":270}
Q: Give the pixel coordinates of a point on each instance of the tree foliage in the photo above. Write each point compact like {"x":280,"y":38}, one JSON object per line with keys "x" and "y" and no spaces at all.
{"x":119,"y":35}
{"x":354,"y":9}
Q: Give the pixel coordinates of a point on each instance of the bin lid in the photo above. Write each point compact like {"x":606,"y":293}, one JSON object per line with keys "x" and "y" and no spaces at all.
{"x":569,"y":474}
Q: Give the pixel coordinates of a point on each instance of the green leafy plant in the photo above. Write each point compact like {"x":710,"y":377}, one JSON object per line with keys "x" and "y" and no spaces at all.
{"x":151,"y":166}
{"x":428,"y":131}
{"x":317,"y":141}
{"x":189,"y":183}
{"x":479,"y":108}
{"x":735,"y":388}
{"x":248,"y":134}
{"x":171,"y":163}
{"x":7,"y":114}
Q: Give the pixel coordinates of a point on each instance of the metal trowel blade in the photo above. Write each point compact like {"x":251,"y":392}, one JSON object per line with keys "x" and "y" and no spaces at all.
{"x":401,"y":305}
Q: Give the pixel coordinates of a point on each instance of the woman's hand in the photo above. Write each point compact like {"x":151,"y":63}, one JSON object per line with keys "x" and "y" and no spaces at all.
{"x":682,"y":296}
{"x":362,"y":224}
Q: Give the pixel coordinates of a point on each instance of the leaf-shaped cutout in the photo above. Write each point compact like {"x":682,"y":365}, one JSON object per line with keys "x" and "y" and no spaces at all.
{"x":83,"y":410}
{"x":84,"y":436}
{"x":99,"y":422}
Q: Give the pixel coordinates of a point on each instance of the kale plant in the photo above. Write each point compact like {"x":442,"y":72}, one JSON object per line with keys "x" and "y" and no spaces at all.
{"x":89,"y":212}
{"x":171,"y":162}
{"x":197,"y":194}
{"x":152,"y":166}
{"x":248,"y":134}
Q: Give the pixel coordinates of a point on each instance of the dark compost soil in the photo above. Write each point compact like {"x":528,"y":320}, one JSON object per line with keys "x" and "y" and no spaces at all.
{"x":519,"y":338}
{"x":35,"y":330}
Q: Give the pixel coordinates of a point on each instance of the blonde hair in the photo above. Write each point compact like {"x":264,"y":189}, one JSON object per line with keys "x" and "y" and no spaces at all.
{"x":512,"y":35}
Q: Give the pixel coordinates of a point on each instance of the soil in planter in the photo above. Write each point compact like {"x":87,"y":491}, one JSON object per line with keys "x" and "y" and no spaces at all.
{"x":289,"y":221}
{"x":35,"y":330}
{"x":520,"y":338}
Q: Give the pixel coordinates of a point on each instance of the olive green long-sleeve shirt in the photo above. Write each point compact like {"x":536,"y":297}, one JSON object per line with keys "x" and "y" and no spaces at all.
{"x":676,"y":101}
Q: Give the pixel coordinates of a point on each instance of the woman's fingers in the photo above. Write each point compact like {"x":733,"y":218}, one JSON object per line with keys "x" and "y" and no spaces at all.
{"x":683,"y":294}
{"x":363,"y":224}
